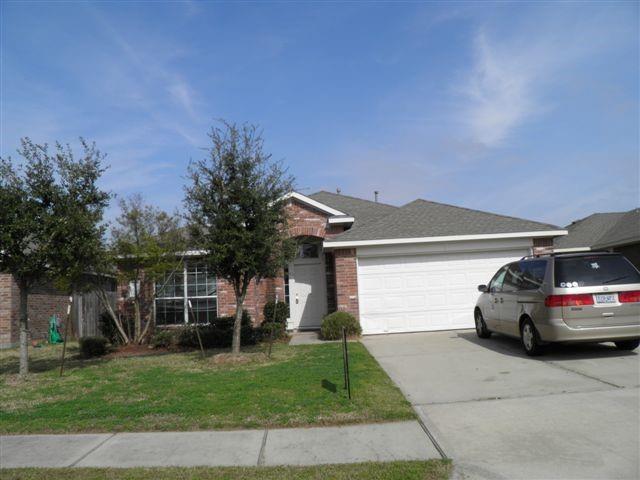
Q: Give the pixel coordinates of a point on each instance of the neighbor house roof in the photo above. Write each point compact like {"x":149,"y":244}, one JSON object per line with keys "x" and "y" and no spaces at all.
{"x":602,"y":230}
{"x":422,"y":219}
{"x":363,"y":211}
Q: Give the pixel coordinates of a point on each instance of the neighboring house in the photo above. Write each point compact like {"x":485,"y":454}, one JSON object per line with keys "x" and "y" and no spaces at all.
{"x":397,"y":269}
{"x":614,"y":231}
{"x":45,"y":301}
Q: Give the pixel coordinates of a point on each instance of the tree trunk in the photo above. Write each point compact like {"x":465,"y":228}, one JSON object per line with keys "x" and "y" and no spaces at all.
{"x":137,"y":319}
{"x":147,"y":329}
{"x":24,"y":330}
{"x":102,"y":295}
{"x":237,"y":324}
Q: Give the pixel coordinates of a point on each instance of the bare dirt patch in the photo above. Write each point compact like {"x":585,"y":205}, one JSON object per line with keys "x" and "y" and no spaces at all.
{"x":239,"y":359}
{"x":135,"y":351}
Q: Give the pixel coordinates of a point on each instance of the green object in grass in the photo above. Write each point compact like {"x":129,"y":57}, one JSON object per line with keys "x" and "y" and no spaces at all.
{"x":54,"y":333}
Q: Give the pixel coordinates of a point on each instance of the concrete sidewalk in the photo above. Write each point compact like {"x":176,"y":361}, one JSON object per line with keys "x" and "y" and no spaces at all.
{"x":295,"y":446}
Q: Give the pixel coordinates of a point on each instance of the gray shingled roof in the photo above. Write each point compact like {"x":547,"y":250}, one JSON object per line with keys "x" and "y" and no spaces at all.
{"x":422,"y":218}
{"x":625,"y":231}
{"x":363,"y":211}
{"x":586,"y":232}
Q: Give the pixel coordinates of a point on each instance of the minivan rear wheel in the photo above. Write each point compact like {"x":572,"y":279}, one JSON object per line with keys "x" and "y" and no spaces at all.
{"x":530,"y":338}
{"x":481,"y":327}
{"x":628,"y":344}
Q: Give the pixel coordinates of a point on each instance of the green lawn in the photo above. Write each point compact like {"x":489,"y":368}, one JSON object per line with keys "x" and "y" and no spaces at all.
{"x":299,"y":386}
{"x":428,"y":470}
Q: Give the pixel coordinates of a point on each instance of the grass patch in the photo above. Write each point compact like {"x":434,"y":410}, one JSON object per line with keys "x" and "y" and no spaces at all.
{"x":298,"y":386}
{"x":415,"y":470}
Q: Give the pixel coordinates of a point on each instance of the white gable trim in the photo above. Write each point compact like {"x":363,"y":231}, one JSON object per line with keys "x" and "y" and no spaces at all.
{"x":334,"y":220}
{"x":451,"y":238}
{"x":310,"y":201}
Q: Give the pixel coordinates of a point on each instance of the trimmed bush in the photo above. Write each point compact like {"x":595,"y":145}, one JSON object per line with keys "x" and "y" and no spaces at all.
{"x":93,"y":346}
{"x":218,"y":334}
{"x":163,"y":339}
{"x":281,"y":312}
{"x":332,"y":325}
{"x":279,"y":331}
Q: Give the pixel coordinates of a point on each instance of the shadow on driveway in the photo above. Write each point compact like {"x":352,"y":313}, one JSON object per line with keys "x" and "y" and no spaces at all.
{"x":505,"y":345}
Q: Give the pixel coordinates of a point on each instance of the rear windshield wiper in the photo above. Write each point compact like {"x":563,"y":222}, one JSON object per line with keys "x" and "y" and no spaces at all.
{"x":615,"y":279}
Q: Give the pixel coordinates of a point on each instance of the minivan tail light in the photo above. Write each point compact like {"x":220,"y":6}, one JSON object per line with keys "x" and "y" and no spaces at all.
{"x":574,"y":300}
{"x":629,"y":297}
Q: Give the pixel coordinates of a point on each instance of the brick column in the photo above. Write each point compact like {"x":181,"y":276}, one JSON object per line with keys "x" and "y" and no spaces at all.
{"x":9,"y":299}
{"x":347,"y":281}
{"x":542,"y":245}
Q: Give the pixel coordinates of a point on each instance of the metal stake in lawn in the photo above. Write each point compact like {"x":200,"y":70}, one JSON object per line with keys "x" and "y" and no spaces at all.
{"x":66,"y":333}
{"x":273,"y":325}
{"x":345,"y":360}
{"x":195,"y":323}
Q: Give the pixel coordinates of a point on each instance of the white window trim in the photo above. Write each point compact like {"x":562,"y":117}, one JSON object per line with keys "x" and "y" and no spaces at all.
{"x":185,"y":298}
{"x":451,"y":238}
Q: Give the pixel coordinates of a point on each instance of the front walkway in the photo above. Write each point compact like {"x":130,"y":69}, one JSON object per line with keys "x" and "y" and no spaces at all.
{"x":296,"y":446}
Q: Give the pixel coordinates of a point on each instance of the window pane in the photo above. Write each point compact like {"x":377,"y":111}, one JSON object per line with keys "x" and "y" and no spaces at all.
{"x":170,"y":285}
{"x":594,"y":270}
{"x":533,"y":274}
{"x":204,"y":310}
{"x":308,"y":250}
{"x":169,"y":312}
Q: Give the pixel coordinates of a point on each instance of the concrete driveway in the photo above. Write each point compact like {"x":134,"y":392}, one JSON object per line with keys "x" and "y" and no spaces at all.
{"x":573,"y":413}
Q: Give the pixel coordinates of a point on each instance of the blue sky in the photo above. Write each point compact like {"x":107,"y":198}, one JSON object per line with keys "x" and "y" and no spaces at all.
{"x":529,"y":110}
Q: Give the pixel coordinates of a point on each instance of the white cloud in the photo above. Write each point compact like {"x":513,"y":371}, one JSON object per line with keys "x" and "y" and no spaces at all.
{"x":501,"y":93}
{"x":516,"y":68}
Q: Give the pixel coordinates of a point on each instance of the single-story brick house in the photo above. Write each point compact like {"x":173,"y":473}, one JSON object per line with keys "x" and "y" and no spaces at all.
{"x":397,"y":269}
{"x":611,"y":231}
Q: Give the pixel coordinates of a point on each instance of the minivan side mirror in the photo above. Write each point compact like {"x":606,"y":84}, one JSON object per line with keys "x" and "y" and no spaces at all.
{"x":483,"y":288}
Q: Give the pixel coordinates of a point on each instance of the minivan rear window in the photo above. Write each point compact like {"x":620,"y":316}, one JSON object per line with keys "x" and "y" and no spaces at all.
{"x":594,"y":270}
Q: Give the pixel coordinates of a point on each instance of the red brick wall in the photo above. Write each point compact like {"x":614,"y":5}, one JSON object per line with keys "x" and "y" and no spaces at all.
{"x":346,"y":278}
{"x":542,"y":245}
{"x":9,"y":298}
{"x":43,"y":302}
{"x":258,"y":294}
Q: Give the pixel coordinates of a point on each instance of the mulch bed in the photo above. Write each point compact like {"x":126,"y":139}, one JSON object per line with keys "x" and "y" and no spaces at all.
{"x":135,"y":351}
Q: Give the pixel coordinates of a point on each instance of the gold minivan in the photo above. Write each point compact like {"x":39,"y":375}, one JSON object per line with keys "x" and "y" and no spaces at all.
{"x":579,"y":297}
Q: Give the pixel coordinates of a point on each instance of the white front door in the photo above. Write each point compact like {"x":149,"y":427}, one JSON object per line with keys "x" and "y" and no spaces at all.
{"x":307,"y":293}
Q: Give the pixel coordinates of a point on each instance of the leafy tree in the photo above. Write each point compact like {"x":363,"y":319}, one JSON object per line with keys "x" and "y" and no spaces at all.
{"x":236,"y":211}
{"x":146,"y":244}
{"x":51,"y":216}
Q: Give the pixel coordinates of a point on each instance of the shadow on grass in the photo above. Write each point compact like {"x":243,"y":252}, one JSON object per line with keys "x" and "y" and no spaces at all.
{"x":10,"y":363}
{"x":330,"y":386}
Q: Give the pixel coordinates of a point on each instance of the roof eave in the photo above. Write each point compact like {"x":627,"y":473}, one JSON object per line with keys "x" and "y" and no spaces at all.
{"x":450,"y":238}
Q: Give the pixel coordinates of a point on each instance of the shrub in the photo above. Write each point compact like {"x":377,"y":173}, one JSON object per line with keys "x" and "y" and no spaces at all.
{"x":281,"y":312}
{"x":93,"y":346}
{"x":332,"y":325}
{"x":218,"y":334}
{"x":279,"y":330}
{"x":162,"y":339}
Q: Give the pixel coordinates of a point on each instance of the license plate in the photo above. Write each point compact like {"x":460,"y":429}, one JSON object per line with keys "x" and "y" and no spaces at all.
{"x":606,"y":298}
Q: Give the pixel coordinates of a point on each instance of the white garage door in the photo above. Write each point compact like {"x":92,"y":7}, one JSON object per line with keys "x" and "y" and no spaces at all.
{"x":424,"y":292}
